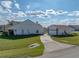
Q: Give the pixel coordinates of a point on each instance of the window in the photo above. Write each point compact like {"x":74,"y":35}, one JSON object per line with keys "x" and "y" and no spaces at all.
{"x":15,"y":30}
{"x":37,"y":31}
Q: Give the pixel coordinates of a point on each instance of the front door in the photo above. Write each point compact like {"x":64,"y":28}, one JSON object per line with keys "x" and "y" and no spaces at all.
{"x":11,"y":32}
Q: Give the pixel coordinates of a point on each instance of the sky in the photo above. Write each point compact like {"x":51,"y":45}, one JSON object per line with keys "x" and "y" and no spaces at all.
{"x":45,"y":12}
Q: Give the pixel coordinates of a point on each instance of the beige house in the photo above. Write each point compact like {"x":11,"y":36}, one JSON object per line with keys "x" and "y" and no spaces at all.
{"x":25,"y":28}
{"x":60,"y":30}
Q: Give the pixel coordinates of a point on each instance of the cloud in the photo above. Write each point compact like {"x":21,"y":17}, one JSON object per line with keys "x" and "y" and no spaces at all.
{"x":69,"y":21}
{"x":56,"y":12}
{"x":20,"y":14}
{"x":35,"y":13}
{"x":2,"y":10}
{"x":47,"y":13}
{"x":17,"y":5}
{"x":6,"y":4}
{"x":13,"y":16}
{"x":39,"y":13}
{"x":74,"y":13}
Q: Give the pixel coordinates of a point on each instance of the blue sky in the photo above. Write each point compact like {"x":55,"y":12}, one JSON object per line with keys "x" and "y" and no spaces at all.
{"x":46,"y":12}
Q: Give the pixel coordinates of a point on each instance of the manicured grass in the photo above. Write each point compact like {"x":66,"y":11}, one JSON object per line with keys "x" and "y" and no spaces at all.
{"x":22,"y":52}
{"x":17,"y":46}
{"x":71,"y":39}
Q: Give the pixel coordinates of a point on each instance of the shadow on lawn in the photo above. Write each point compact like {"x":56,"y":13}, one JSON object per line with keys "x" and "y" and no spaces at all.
{"x":12,"y":37}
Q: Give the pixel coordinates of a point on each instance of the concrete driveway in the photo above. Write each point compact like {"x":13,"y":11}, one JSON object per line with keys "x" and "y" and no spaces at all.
{"x":51,"y":45}
{"x":72,"y":52}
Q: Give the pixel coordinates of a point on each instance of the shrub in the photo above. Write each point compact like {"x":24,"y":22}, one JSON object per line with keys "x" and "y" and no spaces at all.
{"x":4,"y":33}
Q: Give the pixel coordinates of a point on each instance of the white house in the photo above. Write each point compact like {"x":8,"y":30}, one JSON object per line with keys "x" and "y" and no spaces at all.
{"x":76,"y":27}
{"x":59,"y":30}
{"x":25,"y":28}
{"x":5,"y":27}
{"x":1,"y":28}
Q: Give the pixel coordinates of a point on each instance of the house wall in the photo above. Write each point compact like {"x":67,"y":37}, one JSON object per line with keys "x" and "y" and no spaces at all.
{"x":27,"y":27}
{"x":51,"y":32}
{"x":60,"y":31}
{"x":25,"y":30}
{"x":1,"y":28}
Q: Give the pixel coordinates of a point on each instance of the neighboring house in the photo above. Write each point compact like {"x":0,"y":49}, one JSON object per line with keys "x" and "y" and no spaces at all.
{"x":1,"y":28}
{"x":7,"y":26}
{"x":25,"y":28}
{"x":12,"y":23}
{"x":76,"y":27}
{"x":59,"y":30}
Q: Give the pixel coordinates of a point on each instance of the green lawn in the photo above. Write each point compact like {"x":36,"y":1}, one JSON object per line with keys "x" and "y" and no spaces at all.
{"x":17,"y":46}
{"x":71,"y":39}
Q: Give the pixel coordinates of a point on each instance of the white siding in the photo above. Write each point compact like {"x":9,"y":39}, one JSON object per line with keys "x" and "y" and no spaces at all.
{"x":52,"y":32}
{"x":60,"y":32}
{"x":26,"y":31}
{"x":27,"y":28}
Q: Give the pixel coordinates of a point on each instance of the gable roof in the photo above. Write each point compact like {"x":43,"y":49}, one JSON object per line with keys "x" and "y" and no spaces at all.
{"x":74,"y":26}
{"x":63,"y":27}
{"x":27,"y":23}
